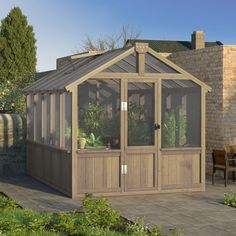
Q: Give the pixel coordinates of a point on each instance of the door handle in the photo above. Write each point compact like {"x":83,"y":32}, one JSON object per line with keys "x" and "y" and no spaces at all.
{"x":157,"y":126}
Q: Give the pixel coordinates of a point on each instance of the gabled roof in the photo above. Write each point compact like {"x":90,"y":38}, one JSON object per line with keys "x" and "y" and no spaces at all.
{"x":73,"y":71}
{"x":169,"y":46}
{"x":79,"y":70}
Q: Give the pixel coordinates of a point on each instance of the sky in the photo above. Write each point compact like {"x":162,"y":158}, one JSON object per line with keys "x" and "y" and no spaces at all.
{"x":60,"y":26}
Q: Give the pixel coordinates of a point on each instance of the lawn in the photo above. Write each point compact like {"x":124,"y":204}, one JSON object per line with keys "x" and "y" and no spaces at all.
{"x":97,"y":218}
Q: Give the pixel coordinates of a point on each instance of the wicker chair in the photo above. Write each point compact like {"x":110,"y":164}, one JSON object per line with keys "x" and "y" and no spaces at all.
{"x":223,"y":160}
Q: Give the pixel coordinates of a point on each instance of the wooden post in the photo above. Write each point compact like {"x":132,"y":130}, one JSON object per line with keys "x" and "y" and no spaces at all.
{"x":62,"y":120}
{"x":43,"y":119}
{"x":141,"y":63}
{"x":74,"y":128}
{"x":158,"y":144}
{"x":35,"y":107}
{"x":123,"y":130}
{"x":203,"y":137}
{"x":141,"y":49}
{"x":28,"y":118}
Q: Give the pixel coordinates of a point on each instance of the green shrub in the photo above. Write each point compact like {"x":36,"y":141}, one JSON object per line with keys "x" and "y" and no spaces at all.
{"x":156,"y":231}
{"x":97,"y":219}
{"x":7,"y":203}
{"x":230,"y":199}
{"x":137,"y":228}
{"x":18,"y":220}
{"x":98,"y":213}
{"x":69,"y":223}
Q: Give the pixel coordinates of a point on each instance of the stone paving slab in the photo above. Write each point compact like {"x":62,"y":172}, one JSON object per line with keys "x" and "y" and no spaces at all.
{"x":32,"y":194}
{"x":198,"y":213}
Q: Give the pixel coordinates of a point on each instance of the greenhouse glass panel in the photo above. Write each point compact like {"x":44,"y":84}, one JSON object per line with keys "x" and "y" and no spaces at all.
{"x":39,"y":119}
{"x":67,"y":120}
{"x":181,"y":113}
{"x":140,"y":114}
{"x":99,"y":114}
{"x":47,"y":122}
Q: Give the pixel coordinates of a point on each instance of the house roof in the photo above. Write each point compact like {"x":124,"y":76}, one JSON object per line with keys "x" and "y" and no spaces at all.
{"x":169,"y":46}
{"x":79,"y":70}
{"x":39,"y":75}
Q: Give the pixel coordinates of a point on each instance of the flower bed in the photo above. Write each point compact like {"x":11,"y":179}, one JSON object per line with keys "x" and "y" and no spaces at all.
{"x":97,"y":218}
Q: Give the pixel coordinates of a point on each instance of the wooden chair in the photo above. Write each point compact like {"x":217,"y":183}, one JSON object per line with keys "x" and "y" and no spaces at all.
{"x":223,"y":160}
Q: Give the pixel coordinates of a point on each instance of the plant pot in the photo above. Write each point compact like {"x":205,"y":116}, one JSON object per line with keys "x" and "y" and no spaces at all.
{"x":82,"y":143}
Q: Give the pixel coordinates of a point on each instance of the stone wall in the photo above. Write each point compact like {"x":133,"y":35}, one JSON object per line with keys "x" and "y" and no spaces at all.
{"x":207,"y":65}
{"x":12,"y":144}
{"x":229,"y":94}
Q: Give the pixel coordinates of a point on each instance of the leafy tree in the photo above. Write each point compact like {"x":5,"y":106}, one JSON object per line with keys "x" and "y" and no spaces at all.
{"x":110,"y":42}
{"x":17,"y":60}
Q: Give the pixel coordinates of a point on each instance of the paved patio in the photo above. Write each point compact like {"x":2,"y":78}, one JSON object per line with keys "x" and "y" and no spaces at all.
{"x":199,"y":213}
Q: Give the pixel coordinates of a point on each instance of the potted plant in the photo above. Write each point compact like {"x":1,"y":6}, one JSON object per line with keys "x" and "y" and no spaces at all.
{"x":94,"y":142}
{"x":82,"y":140}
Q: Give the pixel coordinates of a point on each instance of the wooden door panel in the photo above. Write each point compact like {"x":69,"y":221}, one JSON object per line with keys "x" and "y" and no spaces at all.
{"x":98,"y":173}
{"x":140,"y":171}
{"x":180,"y":170}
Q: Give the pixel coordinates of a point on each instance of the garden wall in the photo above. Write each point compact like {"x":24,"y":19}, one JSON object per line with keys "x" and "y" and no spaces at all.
{"x":12,"y":144}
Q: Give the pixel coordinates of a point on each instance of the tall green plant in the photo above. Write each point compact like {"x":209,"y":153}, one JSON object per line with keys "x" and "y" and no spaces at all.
{"x":174,"y":128}
{"x":17,"y":60}
{"x":92,"y":119}
{"x":169,"y":129}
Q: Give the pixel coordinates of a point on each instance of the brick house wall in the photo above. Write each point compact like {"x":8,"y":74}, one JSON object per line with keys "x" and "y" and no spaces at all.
{"x":213,"y":66}
{"x":229,"y":94}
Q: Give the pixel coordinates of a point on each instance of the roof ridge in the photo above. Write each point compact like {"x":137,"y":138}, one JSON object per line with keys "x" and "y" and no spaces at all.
{"x":170,"y":40}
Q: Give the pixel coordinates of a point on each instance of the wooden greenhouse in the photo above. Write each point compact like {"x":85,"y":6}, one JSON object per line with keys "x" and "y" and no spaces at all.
{"x":126,"y":121}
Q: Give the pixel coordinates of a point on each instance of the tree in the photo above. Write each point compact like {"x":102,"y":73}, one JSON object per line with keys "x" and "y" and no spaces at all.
{"x":17,"y":60}
{"x":113,"y":41}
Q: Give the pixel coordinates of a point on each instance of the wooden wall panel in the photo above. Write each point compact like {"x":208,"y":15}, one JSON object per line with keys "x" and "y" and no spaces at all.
{"x":50,"y":165}
{"x":98,"y":173}
{"x":180,"y":170}
{"x":140,"y":171}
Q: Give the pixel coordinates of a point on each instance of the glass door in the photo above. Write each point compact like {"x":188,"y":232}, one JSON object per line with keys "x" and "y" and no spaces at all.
{"x":141,"y":142}
{"x":140,"y":114}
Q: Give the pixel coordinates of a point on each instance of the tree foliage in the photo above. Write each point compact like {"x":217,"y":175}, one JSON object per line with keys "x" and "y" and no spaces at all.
{"x":17,"y":60}
{"x":113,"y":41}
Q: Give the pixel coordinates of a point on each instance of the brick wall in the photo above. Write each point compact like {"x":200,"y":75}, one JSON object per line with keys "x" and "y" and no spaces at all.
{"x":229,"y":94}
{"x":12,"y":144}
{"x":207,"y":65}
{"x":62,"y":61}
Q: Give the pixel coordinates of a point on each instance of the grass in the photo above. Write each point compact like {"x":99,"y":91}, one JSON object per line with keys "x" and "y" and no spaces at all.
{"x":97,"y":218}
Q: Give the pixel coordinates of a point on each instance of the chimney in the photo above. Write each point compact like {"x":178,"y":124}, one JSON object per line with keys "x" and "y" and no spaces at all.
{"x":198,"y":40}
